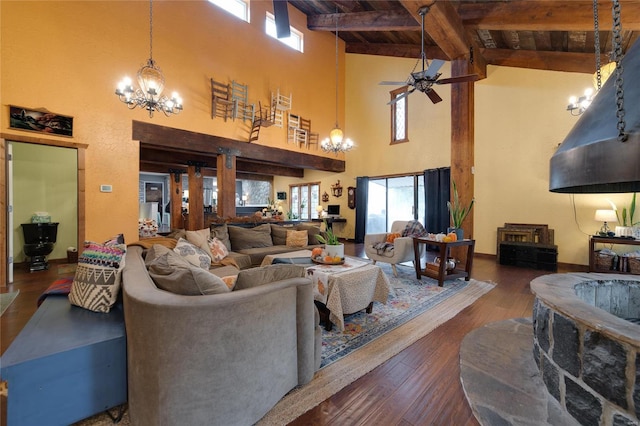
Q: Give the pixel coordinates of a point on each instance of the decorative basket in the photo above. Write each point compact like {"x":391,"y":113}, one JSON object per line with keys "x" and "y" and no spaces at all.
{"x":604,"y":262}
{"x":634,"y":265}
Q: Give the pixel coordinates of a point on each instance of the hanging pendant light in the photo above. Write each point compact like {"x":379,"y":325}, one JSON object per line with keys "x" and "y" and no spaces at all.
{"x":151,"y":84}
{"x":336,"y":142}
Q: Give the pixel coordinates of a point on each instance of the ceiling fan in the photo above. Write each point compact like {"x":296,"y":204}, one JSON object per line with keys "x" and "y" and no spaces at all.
{"x":425,"y":79}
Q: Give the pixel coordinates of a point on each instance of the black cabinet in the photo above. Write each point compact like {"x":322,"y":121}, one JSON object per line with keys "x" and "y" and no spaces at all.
{"x":529,"y":255}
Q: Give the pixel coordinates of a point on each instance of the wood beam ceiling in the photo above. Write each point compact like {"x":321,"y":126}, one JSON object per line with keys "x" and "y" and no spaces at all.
{"x":380,"y":20}
{"x":553,"y":61}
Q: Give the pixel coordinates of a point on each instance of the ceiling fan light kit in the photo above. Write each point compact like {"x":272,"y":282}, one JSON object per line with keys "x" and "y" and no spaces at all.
{"x":424,"y":80}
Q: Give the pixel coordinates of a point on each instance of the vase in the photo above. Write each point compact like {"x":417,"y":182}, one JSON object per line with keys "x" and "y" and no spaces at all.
{"x":334,"y":250}
{"x":458,"y":231}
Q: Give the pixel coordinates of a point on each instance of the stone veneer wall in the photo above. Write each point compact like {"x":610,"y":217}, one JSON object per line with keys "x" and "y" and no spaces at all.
{"x":588,"y":368}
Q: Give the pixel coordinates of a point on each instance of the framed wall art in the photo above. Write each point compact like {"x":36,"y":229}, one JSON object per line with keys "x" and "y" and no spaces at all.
{"x":41,"y":121}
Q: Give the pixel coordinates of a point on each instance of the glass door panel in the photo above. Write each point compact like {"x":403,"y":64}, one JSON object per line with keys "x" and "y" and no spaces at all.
{"x":377,"y":206}
{"x":400,"y":199}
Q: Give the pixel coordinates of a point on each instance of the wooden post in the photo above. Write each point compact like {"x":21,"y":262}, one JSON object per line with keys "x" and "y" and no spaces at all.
{"x":175,"y":199}
{"x":226,"y":185}
{"x":196,"y":200}
{"x":462,"y":142}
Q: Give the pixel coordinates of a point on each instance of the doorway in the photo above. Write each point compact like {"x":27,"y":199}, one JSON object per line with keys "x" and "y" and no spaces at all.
{"x":394,"y":198}
{"x":45,"y":194}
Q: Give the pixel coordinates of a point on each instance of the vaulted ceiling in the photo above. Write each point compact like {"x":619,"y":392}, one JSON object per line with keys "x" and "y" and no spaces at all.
{"x":540,"y":34}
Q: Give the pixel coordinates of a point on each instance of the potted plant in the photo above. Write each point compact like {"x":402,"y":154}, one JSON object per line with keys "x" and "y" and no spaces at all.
{"x":458,"y":212}
{"x":626,"y":230}
{"x":332,"y":245}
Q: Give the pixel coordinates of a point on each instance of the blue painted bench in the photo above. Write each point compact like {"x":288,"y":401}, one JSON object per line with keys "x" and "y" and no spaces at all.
{"x":67,"y":364}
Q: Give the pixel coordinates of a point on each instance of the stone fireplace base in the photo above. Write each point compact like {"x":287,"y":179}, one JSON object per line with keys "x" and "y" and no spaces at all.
{"x":501,"y":380}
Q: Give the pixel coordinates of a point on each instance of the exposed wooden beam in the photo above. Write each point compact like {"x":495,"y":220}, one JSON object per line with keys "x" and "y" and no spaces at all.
{"x":539,"y":15}
{"x":380,"y":20}
{"x":192,"y":142}
{"x":552,"y":61}
{"x":395,"y":50}
{"x":444,"y":26}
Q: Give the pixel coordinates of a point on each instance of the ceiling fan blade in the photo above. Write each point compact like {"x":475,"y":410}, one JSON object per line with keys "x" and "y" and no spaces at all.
{"x":393,"y":83}
{"x":401,"y":96}
{"x":460,"y":79}
{"x":434,"y":67}
{"x":435,"y":98}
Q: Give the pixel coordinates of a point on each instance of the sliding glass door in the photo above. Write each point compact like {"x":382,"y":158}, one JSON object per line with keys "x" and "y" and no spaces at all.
{"x":394,"y":198}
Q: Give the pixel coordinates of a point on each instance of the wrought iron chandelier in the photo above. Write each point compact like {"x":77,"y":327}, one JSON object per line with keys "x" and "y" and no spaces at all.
{"x":336,"y":141}
{"x":151,"y":84}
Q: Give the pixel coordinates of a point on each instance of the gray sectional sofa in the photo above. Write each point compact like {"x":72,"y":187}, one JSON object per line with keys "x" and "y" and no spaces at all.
{"x":249,"y":245}
{"x":217,"y":359}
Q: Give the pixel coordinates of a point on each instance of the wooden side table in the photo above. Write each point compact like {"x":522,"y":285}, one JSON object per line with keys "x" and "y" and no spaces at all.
{"x":441,"y":274}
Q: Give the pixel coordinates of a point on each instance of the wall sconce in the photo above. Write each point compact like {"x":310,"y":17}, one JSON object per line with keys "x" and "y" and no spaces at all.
{"x":336,"y":189}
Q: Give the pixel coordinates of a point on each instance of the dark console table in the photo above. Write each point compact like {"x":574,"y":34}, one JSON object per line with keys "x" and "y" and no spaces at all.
{"x":612,"y":269}
{"x":441,"y":274}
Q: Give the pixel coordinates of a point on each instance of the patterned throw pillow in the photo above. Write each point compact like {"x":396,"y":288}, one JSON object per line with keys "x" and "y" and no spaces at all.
{"x":392,"y":236}
{"x":192,"y":254}
{"x":297,"y":238}
{"x":230,"y":281}
{"x":98,"y":276}
{"x":218,"y":250}
{"x":200,"y":238}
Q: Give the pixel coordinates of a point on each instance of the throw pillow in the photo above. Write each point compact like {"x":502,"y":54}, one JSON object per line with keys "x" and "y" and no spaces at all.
{"x":246,"y":238}
{"x":279,"y":235}
{"x":312,"y":231}
{"x":192,"y":254}
{"x":97,"y":280}
{"x":392,"y":236}
{"x":254,"y":277}
{"x":218,"y":250}
{"x":222,"y":233}
{"x":200,"y":238}
{"x":230,"y":281}
{"x":297,"y":238}
{"x":154,"y":252}
{"x":171,"y":272}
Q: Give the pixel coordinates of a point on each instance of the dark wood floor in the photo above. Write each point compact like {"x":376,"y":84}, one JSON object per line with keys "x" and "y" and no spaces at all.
{"x":419,"y":386}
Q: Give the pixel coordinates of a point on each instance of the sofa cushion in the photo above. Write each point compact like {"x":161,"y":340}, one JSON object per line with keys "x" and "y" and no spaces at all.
{"x":155,"y":251}
{"x":297,"y":238}
{"x":200,"y":238}
{"x":267,"y":274}
{"x":242,"y":260}
{"x":171,"y":272}
{"x":176,"y":234}
{"x":245,"y":238}
{"x":312,"y":231}
{"x":279,"y":234}
{"x":97,"y":280}
{"x":222,"y":233}
{"x":192,"y":254}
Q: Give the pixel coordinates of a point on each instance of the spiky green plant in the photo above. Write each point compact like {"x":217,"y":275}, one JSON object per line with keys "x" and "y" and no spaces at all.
{"x":329,"y":237}
{"x":632,"y":210}
{"x":457,"y":211}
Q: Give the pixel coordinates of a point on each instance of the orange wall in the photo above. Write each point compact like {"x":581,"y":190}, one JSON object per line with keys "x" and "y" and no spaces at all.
{"x":67,"y":56}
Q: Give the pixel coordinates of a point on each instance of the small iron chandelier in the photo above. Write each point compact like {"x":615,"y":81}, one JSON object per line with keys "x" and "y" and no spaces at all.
{"x":336,"y":142}
{"x":151,"y":84}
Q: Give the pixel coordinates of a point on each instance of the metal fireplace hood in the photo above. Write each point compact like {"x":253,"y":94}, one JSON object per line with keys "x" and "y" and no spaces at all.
{"x":591,"y":159}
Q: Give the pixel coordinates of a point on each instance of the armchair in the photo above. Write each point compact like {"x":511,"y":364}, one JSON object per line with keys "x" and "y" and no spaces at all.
{"x":402,"y":247}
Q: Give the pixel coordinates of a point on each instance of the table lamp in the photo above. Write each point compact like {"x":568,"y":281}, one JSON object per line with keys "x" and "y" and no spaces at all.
{"x":605,"y":216}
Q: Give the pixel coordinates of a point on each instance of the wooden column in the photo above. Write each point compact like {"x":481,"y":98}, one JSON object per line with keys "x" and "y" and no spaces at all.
{"x":196,"y":202}
{"x":226,"y":173}
{"x":462,"y":141}
{"x":175,"y":198}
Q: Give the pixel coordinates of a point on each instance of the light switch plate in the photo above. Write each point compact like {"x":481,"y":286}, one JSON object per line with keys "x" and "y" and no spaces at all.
{"x":105,"y":188}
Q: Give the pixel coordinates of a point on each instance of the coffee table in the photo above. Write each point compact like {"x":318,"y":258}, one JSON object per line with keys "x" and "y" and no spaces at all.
{"x":342,"y":289}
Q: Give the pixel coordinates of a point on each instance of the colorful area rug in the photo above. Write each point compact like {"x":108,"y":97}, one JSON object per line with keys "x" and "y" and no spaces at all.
{"x":409,"y":298}
{"x":413,"y":311}
{"x":7,"y":299}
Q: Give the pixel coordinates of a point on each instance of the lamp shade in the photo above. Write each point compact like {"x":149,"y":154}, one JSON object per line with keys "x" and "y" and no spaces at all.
{"x":606,"y":216}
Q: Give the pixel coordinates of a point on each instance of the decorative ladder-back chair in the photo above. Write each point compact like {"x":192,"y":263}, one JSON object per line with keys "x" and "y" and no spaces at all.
{"x":279,"y":104}
{"x":221,"y":103}
{"x":240,"y":98}
{"x":311,"y":138}
{"x":295,"y":134}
